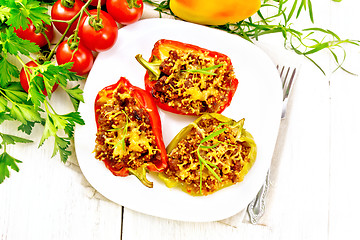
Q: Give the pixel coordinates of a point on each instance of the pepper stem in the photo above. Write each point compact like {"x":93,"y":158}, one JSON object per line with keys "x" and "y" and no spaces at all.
{"x":140,"y":173}
{"x":152,"y":67}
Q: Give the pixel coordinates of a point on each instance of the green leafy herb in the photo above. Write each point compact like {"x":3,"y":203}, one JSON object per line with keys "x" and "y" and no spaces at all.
{"x":305,"y":42}
{"x":75,"y":95}
{"x":7,"y":71}
{"x":33,"y":107}
{"x":11,"y":44}
{"x":4,"y":13}
{"x":122,"y":140}
{"x":206,"y":71}
{"x":11,"y":139}
{"x":56,"y":122}
{"x":14,"y":45}
{"x":7,"y":161}
{"x":203,"y":162}
{"x":162,"y":7}
{"x":23,"y":10}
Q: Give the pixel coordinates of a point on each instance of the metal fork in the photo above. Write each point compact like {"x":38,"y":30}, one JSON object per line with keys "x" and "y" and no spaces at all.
{"x":256,"y":207}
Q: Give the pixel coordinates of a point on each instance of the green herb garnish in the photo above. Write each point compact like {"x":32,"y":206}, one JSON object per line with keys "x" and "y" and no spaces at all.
{"x":206,"y":71}
{"x":203,"y":162}
{"x":122,"y":140}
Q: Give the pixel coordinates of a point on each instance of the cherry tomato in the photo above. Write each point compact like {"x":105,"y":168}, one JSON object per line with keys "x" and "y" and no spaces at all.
{"x":125,"y":11}
{"x":36,"y":35}
{"x":81,"y":56}
{"x":63,"y":13}
{"x":24,"y":78}
{"x":102,"y":39}
{"x":95,"y":2}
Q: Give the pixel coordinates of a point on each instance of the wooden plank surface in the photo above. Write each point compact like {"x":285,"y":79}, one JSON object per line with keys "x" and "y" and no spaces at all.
{"x":315,"y":193}
{"x":47,"y":200}
{"x":344,"y":194}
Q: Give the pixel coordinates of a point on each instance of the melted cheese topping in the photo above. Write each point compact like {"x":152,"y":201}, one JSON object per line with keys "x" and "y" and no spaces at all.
{"x":194,"y":92}
{"x":125,"y":137}
{"x":232,"y":155}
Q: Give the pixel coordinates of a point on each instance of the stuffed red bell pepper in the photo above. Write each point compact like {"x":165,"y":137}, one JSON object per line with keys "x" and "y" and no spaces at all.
{"x":187,"y":79}
{"x":129,"y":136}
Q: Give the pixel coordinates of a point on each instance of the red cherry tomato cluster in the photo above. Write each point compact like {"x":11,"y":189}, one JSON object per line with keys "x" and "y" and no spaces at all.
{"x":83,"y":31}
{"x":97,"y":29}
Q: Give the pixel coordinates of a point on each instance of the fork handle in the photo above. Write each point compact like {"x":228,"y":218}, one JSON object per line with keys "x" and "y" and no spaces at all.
{"x":256,"y":207}
{"x":284,"y":107}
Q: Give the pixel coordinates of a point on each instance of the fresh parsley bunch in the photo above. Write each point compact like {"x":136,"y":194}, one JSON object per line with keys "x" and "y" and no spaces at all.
{"x":33,"y":107}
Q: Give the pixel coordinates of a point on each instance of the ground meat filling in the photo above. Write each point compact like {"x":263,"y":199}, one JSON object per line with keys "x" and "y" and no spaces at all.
{"x":125,"y":137}
{"x":193,"y":92}
{"x":227,"y":153}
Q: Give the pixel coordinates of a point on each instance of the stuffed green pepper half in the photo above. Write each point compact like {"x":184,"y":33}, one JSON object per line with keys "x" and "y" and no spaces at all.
{"x":211,"y":153}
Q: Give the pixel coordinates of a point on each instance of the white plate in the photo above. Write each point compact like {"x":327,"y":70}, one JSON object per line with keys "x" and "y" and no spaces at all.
{"x":257,"y":99}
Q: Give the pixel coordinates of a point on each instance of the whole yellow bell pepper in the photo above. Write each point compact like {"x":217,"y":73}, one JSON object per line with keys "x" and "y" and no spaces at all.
{"x":214,"y":12}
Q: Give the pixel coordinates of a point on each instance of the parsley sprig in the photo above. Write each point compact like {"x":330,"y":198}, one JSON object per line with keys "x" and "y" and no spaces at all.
{"x":17,"y":13}
{"x":7,"y":161}
{"x":34,"y":107}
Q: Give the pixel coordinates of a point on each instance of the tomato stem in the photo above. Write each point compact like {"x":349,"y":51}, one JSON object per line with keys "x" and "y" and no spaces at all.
{"x":20,"y":60}
{"x":73,"y":42}
{"x":68,"y":3}
{"x":98,"y":7}
{"x":133,"y":4}
{"x":57,"y":20}
{"x":47,"y":103}
{"x":87,"y":12}
{"x":70,"y":22}
{"x":96,"y":23}
{"x":46,"y":37}
{"x":77,"y":30}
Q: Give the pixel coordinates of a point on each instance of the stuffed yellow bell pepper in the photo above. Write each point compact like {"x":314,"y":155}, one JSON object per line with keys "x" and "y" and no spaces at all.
{"x":211,"y":153}
{"x":214,"y":12}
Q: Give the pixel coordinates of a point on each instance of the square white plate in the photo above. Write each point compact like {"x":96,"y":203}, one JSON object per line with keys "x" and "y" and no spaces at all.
{"x":258,"y":99}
